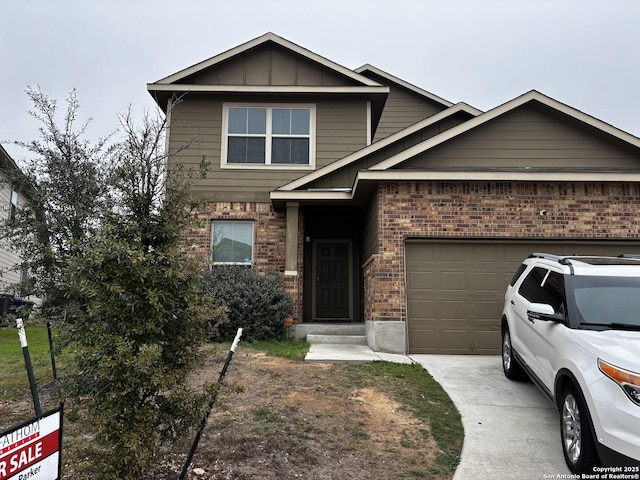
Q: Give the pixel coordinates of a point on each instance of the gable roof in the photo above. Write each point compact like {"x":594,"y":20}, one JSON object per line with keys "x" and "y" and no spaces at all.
{"x":402,"y":83}
{"x":14,"y":175}
{"x":267,"y":37}
{"x":178,"y":82}
{"x":531,"y":96}
{"x":175,"y":78}
{"x":384,"y":171}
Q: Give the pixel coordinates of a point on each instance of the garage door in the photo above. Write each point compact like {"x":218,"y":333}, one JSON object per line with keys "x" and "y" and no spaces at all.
{"x":455,"y":290}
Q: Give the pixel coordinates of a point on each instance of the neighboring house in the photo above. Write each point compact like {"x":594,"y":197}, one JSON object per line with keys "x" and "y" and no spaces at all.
{"x":383,"y":204}
{"x":10,"y":200}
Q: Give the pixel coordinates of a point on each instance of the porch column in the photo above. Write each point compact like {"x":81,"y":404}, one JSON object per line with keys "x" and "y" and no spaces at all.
{"x":291,"y":260}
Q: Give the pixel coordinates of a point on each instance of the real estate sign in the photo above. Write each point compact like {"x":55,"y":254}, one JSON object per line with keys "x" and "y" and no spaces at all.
{"x":31,"y":450}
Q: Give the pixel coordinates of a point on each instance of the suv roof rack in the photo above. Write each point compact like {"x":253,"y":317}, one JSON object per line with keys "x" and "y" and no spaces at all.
{"x":570,"y":260}
{"x":563,"y":260}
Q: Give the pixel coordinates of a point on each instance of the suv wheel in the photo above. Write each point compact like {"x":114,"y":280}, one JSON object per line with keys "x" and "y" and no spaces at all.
{"x":578,"y":445}
{"x":511,"y":367}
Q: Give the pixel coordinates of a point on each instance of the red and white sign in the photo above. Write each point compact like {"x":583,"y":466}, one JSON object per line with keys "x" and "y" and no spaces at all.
{"x":31,"y":450}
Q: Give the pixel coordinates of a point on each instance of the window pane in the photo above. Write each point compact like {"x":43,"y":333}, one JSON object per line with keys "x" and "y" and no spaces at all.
{"x":255,"y":150}
{"x":300,"y":122}
{"x":246,"y":150}
{"x":300,"y":151}
{"x":530,"y":288}
{"x":237,"y":120}
{"x":257,"y":123}
{"x":232,"y":242}
{"x":281,"y":121}
{"x":292,"y":151}
{"x":281,"y":150}
{"x":237,"y":150}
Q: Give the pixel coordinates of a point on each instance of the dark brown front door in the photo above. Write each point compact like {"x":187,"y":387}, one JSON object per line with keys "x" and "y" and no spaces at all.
{"x":332,"y":292}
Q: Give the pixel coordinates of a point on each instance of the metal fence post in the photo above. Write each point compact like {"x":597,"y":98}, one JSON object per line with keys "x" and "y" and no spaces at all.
{"x":27,"y":361}
{"x":212,"y":402}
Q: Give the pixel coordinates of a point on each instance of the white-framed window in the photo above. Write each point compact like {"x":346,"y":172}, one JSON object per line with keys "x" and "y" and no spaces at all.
{"x":232,"y":241}
{"x":14,"y":205}
{"x":274,"y":136}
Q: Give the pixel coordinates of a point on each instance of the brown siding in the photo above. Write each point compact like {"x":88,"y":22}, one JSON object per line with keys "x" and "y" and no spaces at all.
{"x":341,"y":130}
{"x":402,"y":109}
{"x":526,"y":137}
{"x":197,"y":122}
{"x":344,"y":177}
{"x":268,"y":65}
{"x":489,"y":210}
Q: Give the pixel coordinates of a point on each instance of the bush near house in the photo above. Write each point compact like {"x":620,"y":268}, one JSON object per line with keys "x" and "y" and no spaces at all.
{"x":256,"y":303}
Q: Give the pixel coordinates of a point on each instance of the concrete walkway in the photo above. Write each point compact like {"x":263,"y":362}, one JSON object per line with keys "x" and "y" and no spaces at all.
{"x":338,"y":353}
{"x":511,"y":429}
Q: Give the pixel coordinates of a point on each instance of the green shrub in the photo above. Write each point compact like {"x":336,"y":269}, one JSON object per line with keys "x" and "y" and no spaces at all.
{"x":256,"y":303}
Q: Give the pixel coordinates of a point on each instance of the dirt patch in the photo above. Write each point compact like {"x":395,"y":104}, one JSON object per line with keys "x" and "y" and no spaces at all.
{"x":305,"y":420}
{"x":278,"y":419}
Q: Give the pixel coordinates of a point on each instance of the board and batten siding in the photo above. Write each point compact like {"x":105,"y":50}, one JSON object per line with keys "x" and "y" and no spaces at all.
{"x":271,"y":65}
{"x":527,"y":137}
{"x":196,"y":122}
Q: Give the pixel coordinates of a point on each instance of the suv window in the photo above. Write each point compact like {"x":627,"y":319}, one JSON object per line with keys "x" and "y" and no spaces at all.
{"x":544,"y":286}
{"x":553,"y":291}
{"x":516,"y":276}
{"x":605,"y":299}
{"x":530,"y":288}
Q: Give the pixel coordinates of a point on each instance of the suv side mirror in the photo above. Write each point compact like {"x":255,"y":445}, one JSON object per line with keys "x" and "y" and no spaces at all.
{"x":544,"y":312}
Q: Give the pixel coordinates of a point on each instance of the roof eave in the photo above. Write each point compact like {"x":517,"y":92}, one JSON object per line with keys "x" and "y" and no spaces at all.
{"x":186,"y":88}
{"x":366,"y":178}
{"x":404,"y":84}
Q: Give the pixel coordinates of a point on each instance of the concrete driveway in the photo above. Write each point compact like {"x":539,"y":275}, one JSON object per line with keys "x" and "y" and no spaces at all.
{"x":511,"y":429}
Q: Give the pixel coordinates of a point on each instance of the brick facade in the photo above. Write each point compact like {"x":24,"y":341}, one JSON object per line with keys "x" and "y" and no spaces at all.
{"x":269,"y":240}
{"x":488,"y":210}
{"x":439,"y":210}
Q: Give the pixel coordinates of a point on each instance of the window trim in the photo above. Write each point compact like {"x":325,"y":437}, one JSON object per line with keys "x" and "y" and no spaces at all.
{"x":268,"y":136}
{"x":13,"y":203}
{"x":253,"y":240}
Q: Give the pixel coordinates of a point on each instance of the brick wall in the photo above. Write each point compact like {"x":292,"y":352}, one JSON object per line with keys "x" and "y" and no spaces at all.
{"x":269,"y":240}
{"x":488,"y":210}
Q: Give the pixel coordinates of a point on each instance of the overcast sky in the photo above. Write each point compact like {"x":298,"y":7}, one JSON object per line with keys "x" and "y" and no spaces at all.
{"x":585,"y":53}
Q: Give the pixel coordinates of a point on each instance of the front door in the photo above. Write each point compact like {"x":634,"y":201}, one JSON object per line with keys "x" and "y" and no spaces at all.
{"x":332,"y":289}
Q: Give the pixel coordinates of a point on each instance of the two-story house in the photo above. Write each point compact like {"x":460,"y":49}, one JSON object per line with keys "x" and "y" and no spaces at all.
{"x":10,"y":199}
{"x":384,"y":205}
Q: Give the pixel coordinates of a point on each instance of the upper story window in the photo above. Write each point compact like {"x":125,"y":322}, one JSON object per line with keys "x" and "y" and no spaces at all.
{"x":263,"y":135}
{"x":14,"y":205}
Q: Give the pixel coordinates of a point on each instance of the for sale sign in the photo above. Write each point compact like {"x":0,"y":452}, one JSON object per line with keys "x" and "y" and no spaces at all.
{"x":31,"y":450}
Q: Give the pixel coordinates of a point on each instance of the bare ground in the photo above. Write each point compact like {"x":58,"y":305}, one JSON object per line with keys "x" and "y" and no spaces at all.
{"x":282,"y":420}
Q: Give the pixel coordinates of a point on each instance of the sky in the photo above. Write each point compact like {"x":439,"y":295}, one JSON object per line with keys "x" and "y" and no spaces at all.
{"x":584,"y":53}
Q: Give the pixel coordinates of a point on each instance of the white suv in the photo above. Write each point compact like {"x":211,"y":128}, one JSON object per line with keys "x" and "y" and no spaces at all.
{"x":572,"y":324}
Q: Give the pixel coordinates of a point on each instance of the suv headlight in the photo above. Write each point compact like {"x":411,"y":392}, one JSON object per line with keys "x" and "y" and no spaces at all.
{"x":628,"y":381}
